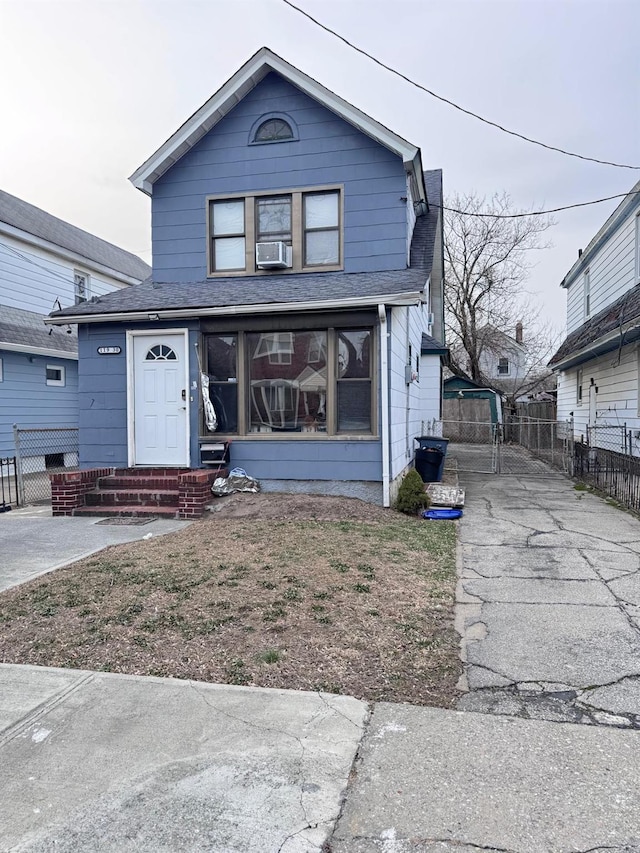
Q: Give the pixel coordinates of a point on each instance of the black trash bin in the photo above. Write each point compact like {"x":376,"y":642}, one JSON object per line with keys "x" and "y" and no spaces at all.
{"x":430,"y":464}
{"x":433,"y":442}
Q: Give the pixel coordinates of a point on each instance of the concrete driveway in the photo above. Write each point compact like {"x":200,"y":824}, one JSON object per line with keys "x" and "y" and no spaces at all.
{"x":549,"y":602}
{"x":33,"y":543}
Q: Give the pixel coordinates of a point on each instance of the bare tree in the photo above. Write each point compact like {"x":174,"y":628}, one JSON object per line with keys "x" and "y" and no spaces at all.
{"x":487,"y":262}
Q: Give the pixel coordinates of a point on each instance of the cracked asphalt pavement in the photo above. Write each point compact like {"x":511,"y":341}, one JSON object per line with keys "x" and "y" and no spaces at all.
{"x":549,"y":602}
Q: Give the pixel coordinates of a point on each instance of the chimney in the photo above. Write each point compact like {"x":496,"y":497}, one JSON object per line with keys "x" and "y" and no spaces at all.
{"x":519,"y":332}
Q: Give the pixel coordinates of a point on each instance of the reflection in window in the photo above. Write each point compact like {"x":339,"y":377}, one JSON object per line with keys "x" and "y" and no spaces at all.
{"x":223,"y":382}
{"x":160,"y":352}
{"x":273,"y":219}
{"x":354,"y":381}
{"x":273,"y":130}
{"x":288,"y":392}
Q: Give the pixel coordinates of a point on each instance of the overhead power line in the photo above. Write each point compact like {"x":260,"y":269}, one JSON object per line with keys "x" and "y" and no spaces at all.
{"x":535,"y":212}
{"x":452,"y":103}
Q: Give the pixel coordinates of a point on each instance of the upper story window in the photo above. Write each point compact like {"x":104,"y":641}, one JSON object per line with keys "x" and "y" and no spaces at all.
{"x":587,"y":294}
{"x":297,"y":231}
{"x":273,"y":130}
{"x":503,"y":366}
{"x":81,"y":284}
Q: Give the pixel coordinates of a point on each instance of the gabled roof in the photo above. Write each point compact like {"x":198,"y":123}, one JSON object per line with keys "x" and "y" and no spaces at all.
{"x":236,"y":88}
{"x":24,"y":331}
{"x":614,"y":326}
{"x":25,"y":217}
{"x":630,"y":201}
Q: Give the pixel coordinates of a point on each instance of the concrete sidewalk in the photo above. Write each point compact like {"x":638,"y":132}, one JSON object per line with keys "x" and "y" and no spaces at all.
{"x":113,"y":763}
{"x":99,"y":762}
{"x":33,"y":543}
{"x":549,"y":602}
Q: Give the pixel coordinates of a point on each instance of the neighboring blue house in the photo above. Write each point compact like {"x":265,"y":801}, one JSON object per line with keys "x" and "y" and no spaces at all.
{"x":297,"y":264}
{"x":45,"y":262}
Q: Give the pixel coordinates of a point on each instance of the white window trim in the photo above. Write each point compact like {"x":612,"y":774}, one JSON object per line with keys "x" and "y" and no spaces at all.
{"x":587,"y":294}
{"x":1,"y":370}
{"x":579,"y":384}
{"x":87,"y":287}
{"x":506,"y":372}
{"x":63,"y":375}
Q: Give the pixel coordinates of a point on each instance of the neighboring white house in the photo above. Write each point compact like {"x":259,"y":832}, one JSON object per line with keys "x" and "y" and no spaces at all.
{"x":47,"y":263}
{"x":598,"y":363}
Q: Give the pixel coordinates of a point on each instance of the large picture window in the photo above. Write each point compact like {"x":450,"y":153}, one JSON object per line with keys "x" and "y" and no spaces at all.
{"x":314,"y":382}
{"x":307,"y":221}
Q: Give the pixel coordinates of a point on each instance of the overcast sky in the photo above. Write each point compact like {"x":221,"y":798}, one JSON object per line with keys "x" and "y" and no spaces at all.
{"x":91,"y":88}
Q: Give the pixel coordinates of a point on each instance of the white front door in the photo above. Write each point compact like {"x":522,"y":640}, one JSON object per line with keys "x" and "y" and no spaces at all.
{"x":160,"y":394}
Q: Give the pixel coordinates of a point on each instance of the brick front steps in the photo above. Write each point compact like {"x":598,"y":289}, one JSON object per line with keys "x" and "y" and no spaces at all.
{"x":168,"y":492}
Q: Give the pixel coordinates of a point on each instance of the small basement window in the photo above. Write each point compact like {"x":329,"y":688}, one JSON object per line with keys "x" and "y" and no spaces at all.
{"x":54,"y":460}
{"x":55,"y":375}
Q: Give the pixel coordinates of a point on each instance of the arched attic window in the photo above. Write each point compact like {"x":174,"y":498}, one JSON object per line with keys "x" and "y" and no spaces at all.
{"x":273,"y":129}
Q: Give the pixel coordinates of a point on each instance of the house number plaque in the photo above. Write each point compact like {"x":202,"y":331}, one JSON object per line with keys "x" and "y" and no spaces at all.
{"x":109,"y":350}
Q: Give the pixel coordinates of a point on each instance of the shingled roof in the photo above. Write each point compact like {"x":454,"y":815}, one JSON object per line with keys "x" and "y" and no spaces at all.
{"x":26,"y":217}
{"x":25,"y":330}
{"x":618,"y":322}
{"x":277,"y":289}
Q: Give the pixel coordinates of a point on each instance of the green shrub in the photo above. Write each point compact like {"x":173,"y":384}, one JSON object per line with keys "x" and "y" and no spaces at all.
{"x":412,"y":497}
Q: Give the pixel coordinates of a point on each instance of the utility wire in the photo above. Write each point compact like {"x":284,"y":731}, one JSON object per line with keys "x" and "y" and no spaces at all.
{"x":48,"y":270}
{"x":535,"y":212}
{"x":451,"y":103}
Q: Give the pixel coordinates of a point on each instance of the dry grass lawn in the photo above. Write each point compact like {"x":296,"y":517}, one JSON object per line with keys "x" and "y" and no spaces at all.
{"x":279,"y":591}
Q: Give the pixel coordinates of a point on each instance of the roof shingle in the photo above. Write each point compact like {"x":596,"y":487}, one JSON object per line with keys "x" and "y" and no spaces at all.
{"x":26,"y":217}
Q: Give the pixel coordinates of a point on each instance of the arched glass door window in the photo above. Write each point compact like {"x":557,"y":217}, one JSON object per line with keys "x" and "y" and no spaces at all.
{"x":273,"y":130}
{"x":160,"y":352}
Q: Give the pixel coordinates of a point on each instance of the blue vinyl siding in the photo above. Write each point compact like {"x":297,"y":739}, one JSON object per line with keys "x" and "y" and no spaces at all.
{"x":27,"y":400}
{"x":329,"y":151}
{"x":103,"y":394}
{"x":309,"y":460}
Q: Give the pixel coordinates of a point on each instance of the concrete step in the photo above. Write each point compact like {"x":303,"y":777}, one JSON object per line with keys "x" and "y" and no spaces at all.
{"x":127,"y":511}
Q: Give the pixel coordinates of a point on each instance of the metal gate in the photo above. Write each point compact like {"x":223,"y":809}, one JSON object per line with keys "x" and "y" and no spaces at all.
{"x":519,"y":446}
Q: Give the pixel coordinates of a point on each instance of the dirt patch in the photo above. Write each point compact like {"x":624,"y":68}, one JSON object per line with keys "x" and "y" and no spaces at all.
{"x":286,"y":507}
{"x":289,"y":591}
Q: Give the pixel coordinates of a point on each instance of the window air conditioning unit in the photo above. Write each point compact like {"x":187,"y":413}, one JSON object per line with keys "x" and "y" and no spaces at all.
{"x":274,"y":255}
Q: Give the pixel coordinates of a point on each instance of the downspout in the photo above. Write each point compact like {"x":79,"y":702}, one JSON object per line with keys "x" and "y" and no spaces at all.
{"x":384,"y":402}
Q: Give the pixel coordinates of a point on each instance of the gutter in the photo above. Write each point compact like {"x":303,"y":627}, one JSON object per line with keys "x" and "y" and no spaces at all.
{"x":46,"y":351}
{"x":410,"y":298}
{"x":599,"y":347}
{"x":384,"y":403}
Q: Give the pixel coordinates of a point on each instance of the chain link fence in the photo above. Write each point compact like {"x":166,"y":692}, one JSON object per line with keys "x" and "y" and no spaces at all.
{"x":614,"y":437}
{"x":522,"y":445}
{"x":40,"y":452}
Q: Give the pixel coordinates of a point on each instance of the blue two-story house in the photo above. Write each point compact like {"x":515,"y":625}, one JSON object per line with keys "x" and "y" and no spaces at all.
{"x":295,"y":309}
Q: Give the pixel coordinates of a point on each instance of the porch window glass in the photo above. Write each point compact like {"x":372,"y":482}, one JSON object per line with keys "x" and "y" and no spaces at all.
{"x":228,"y":238}
{"x":286,"y":392}
{"x":221,"y":353}
{"x":353,"y":368}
